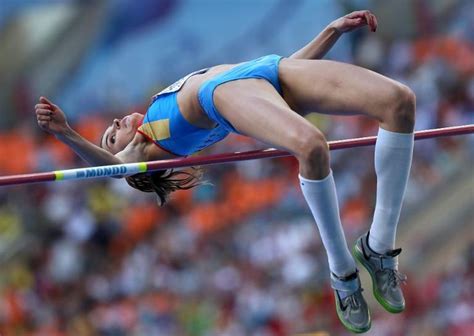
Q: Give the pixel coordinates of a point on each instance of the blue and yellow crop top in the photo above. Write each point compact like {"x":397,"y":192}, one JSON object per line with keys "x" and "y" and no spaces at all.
{"x":166,"y":127}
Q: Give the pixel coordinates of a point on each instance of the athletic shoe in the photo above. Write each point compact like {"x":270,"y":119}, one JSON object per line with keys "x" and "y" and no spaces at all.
{"x":386,"y":279}
{"x":351,"y":307}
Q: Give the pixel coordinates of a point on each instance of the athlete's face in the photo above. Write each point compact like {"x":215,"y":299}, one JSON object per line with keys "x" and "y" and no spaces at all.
{"x":121,"y":133}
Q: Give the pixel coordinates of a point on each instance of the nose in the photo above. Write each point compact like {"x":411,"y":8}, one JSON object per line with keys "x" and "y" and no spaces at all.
{"x":117,"y":123}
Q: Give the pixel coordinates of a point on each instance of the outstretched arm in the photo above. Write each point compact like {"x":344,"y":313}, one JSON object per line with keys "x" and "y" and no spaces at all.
{"x":322,"y":43}
{"x":53,"y":120}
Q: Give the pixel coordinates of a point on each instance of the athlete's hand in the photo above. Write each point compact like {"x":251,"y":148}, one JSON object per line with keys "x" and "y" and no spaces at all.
{"x":355,"y":20}
{"x":50,"y":117}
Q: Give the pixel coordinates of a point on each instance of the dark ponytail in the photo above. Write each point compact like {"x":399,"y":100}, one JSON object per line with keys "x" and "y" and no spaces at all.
{"x":164,"y":182}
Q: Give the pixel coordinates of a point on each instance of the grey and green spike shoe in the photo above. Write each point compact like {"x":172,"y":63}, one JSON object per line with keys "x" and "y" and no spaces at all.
{"x":351,"y":307}
{"x":386,"y":279}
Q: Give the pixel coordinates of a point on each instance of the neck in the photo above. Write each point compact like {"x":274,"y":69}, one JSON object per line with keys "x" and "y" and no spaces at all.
{"x":155,"y":152}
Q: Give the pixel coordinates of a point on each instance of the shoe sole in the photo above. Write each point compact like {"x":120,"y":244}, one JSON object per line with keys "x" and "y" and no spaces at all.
{"x":387,"y":306}
{"x":347,"y":325}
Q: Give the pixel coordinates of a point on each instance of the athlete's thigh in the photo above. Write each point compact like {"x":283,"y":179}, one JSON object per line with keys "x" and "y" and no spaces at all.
{"x":256,"y":109}
{"x":334,"y":87}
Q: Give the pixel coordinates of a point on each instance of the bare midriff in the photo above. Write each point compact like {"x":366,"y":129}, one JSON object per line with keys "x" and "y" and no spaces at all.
{"x":188,"y":101}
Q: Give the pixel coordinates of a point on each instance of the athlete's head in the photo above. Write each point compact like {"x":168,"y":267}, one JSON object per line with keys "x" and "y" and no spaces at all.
{"x":122,"y":131}
{"x":118,"y":135}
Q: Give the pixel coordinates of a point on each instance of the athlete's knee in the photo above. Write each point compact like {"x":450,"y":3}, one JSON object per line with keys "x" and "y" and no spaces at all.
{"x":405,"y":114}
{"x":313,"y":148}
{"x":400,"y":112}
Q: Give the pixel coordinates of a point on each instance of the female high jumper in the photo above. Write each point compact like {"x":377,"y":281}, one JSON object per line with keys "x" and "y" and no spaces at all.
{"x":265,"y":99}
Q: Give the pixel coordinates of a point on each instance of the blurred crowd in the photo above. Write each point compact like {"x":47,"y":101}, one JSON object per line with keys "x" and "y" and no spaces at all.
{"x":241,"y":254}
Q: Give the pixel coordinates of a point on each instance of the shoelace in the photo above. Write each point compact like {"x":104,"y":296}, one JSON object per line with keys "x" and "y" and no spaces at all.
{"x":351,"y":301}
{"x":395,"y":278}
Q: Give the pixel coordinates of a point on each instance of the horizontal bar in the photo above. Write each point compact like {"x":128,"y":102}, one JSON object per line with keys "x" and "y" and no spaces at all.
{"x":141,"y":167}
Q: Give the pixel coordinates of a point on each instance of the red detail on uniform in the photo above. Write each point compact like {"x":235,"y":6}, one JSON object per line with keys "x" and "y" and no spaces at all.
{"x":151,"y":140}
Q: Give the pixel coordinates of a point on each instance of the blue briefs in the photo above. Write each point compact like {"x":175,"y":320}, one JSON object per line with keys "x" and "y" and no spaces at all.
{"x":265,"y":67}
{"x":164,"y":124}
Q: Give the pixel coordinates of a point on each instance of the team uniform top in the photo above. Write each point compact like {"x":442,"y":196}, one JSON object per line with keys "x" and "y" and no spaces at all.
{"x":165,"y":125}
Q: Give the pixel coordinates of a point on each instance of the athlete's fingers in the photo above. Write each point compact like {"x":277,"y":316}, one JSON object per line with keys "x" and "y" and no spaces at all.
{"x":367,"y":18}
{"x":370,"y":23}
{"x":354,"y":22}
{"x":45,"y":100}
{"x":43,"y":124}
{"x":376,"y":24}
{"x":43,"y":118}
{"x":43,"y":106}
{"x":356,"y":14}
{"x":44,"y":112}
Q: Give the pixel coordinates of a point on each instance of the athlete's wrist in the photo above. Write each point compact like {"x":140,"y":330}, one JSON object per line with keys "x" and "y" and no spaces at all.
{"x":65,"y":133}
{"x":334,"y":28}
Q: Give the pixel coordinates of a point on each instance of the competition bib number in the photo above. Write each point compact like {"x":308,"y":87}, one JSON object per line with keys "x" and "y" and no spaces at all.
{"x":176,"y":86}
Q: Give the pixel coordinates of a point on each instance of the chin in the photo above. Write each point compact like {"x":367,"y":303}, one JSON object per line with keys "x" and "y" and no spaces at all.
{"x":136,"y":119}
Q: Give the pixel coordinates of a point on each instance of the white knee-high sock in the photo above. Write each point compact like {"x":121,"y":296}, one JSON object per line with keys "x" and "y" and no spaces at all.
{"x":322,"y":200}
{"x":393,"y":155}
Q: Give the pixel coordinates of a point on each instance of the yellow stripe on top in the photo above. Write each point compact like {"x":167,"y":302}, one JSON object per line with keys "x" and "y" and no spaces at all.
{"x":156,"y":130}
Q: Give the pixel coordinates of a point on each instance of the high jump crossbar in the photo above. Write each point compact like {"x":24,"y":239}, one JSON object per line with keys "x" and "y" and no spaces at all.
{"x":142,"y":167}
